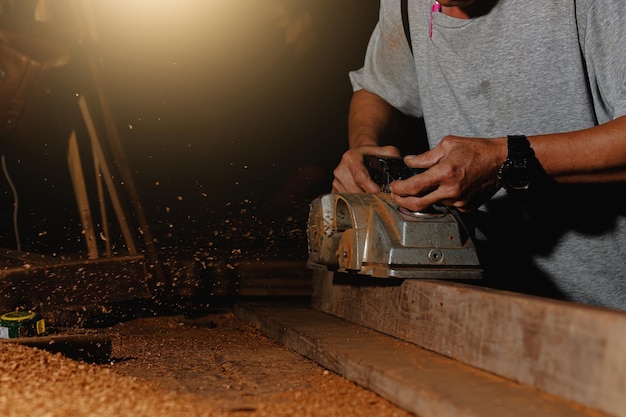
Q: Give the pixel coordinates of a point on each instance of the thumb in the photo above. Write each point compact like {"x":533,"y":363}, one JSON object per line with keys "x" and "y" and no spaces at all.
{"x":418,"y":161}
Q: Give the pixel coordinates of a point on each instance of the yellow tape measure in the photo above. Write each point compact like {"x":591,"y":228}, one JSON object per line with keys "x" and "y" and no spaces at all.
{"x":21,"y":324}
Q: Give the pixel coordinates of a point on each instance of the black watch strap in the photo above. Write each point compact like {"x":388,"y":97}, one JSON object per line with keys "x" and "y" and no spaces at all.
{"x":519,"y":147}
{"x":518,"y":171}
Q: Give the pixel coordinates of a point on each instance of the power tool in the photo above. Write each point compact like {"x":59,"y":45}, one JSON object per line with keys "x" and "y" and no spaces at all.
{"x":368,"y":234}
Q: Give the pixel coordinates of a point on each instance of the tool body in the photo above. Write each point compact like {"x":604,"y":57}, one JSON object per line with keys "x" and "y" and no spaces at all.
{"x":368,"y":234}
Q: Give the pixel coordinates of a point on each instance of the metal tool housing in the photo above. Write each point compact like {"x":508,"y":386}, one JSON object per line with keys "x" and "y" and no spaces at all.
{"x":368,"y":234}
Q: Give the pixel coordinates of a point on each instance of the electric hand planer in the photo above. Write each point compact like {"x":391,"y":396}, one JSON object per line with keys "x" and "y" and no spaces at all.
{"x":369,"y":234}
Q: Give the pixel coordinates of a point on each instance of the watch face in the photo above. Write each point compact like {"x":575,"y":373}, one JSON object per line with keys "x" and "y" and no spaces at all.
{"x":516,"y":175}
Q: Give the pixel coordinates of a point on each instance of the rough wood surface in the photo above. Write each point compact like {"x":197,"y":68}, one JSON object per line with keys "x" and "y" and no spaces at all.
{"x":30,"y":280}
{"x":573,"y":351}
{"x":422,"y":382}
{"x":273,"y":278}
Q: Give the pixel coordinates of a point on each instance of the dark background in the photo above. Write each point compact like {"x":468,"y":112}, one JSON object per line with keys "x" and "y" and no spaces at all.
{"x":232,"y":115}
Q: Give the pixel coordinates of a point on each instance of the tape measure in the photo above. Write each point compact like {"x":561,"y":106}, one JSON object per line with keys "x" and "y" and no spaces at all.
{"x":21,"y":324}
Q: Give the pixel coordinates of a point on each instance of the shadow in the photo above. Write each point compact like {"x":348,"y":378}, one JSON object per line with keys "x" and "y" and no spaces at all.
{"x":480,"y":8}
{"x":353,"y":279}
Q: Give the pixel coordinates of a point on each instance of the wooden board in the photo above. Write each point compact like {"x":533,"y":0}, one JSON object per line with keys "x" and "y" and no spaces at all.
{"x":420,"y":381}
{"x":273,"y":278}
{"x":573,"y":351}
{"x":29,"y":280}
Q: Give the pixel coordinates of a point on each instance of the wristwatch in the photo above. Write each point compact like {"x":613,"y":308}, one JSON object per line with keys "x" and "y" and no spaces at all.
{"x":517,"y":172}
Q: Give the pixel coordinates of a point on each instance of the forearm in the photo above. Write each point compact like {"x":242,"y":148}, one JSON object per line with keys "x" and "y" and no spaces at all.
{"x":462,"y":171}
{"x":597,"y":154}
{"x":369,"y":118}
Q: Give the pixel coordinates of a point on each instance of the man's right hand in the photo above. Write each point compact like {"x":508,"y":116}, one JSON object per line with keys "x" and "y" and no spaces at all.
{"x":351,"y":175}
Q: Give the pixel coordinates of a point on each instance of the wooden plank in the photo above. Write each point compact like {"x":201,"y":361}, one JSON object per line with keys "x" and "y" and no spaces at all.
{"x":573,"y":351}
{"x":273,"y":278}
{"x":38,"y":280}
{"x":420,"y":381}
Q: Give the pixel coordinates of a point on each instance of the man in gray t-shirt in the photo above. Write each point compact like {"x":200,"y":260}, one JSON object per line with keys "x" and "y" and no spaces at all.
{"x":508,"y":90}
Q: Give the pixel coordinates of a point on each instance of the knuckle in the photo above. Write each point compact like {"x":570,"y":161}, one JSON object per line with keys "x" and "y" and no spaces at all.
{"x":337,"y":172}
{"x":454,"y":194}
{"x":361,"y":176}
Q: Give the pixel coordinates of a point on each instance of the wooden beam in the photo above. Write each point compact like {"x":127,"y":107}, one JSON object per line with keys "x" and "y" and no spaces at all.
{"x":31,"y":281}
{"x":88,"y":23}
{"x":100,"y":161}
{"x":82,"y":198}
{"x":573,"y":351}
{"x":265,"y":278}
{"x":422,"y":382}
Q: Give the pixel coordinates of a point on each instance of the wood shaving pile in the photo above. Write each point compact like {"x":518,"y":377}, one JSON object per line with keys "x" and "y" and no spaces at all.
{"x":37,"y":383}
{"x":166,"y":368}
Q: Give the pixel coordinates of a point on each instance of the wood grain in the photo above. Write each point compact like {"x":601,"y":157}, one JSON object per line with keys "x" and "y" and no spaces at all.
{"x":570,"y":350}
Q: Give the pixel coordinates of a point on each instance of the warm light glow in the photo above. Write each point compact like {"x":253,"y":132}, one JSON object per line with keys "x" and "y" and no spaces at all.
{"x":198,"y":53}
{"x":178,"y":18}
{"x":216,"y":21}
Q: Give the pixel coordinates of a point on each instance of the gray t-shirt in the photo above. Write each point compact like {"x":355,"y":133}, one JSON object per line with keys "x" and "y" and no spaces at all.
{"x":526,"y":67}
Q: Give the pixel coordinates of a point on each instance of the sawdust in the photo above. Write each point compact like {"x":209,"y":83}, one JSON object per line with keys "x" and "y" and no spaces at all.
{"x":172,"y":366}
{"x":37,"y":383}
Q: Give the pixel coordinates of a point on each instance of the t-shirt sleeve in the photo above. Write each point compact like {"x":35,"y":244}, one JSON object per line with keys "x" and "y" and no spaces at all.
{"x":389,"y":68}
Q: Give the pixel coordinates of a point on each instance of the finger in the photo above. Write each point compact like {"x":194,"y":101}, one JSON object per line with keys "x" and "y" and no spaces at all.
{"x":413,"y":203}
{"x":344,"y":184}
{"x":416,"y":200}
{"x":357,"y":182}
{"x":353,"y":187}
{"x":417,"y":186}
{"x":413,"y":161}
{"x":363,"y":180}
{"x":388,"y":150}
{"x":426,"y":159}
{"x":337,"y":187}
